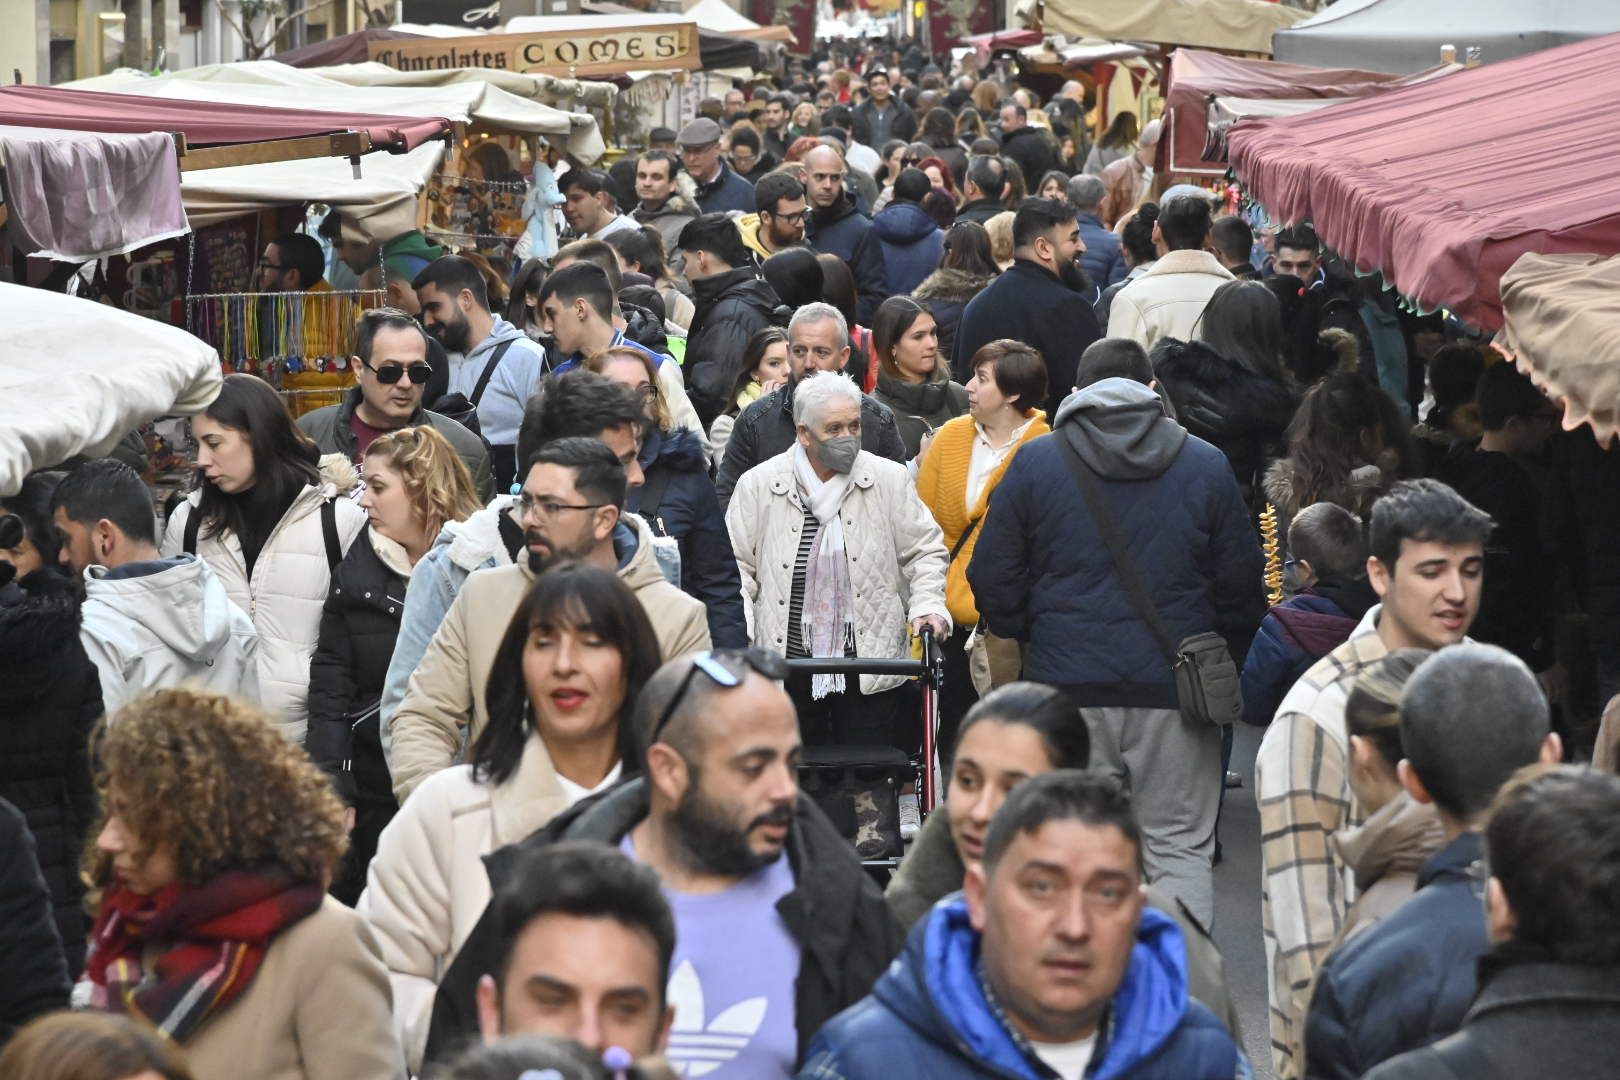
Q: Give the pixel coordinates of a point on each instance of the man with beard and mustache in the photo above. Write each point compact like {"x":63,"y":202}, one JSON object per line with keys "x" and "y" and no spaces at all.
{"x":492,"y":362}
{"x":778,"y":927}
{"x":571,"y":507}
{"x":1040,"y":300}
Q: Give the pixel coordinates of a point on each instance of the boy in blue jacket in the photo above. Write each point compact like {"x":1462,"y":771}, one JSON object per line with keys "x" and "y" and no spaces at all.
{"x":1328,"y":550}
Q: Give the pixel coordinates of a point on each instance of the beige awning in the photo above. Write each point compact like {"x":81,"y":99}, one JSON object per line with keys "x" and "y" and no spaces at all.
{"x":1232,"y":25}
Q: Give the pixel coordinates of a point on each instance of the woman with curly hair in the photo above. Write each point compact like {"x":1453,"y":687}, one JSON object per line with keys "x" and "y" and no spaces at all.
{"x":217,"y":841}
{"x":560,"y":693}
{"x":1347,"y":444}
{"x":415,"y":485}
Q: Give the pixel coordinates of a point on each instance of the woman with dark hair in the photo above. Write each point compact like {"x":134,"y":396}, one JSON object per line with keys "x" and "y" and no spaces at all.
{"x":1118,"y":141}
{"x":272,"y":526}
{"x":796,"y":275}
{"x":560,"y":694}
{"x":956,"y":478}
{"x":964,"y":271}
{"x":1053,"y":185}
{"x":40,"y":545}
{"x":642,"y":251}
{"x":765,"y":367}
{"x":1017,"y":184}
{"x":523,"y":308}
{"x":1230,"y":387}
{"x":940,"y":205}
{"x":939,"y":132}
{"x":969,"y":129}
{"x":1346,"y":445}
{"x":911,"y":379}
{"x":211,"y":862}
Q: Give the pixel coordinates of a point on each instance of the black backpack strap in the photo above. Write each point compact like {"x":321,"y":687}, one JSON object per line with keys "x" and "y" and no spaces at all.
{"x":961,"y":541}
{"x":334,"y":547}
{"x":652,"y":497}
{"x":188,"y":542}
{"x":489,"y":371}
{"x":1129,"y":576}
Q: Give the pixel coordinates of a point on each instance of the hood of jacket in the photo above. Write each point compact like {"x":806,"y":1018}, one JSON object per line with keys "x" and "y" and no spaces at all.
{"x":822,"y":217}
{"x":742,"y":285}
{"x":499,"y":332}
{"x":952,"y":286}
{"x":638,"y":562}
{"x":904,"y":223}
{"x":1282,"y":487}
{"x":1397,"y":839}
{"x":679,"y":450}
{"x":677,"y":205}
{"x":1315,"y":623}
{"x":39,"y":628}
{"x":1119,"y":428}
{"x":475,"y":541}
{"x":935,"y":988}
{"x":179,"y":601}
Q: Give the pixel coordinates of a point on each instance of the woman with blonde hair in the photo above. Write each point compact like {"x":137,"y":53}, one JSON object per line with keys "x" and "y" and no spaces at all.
{"x":415,"y":484}
{"x":1000,"y":229}
{"x":90,"y":1046}
{"x":217,"y":841}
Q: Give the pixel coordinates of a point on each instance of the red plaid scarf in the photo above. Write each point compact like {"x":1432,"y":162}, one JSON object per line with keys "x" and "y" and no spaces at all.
{"x":206,"y":944}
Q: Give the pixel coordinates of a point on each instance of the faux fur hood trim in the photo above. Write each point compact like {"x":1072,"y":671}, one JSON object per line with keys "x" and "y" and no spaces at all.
{"x":39,"y":628}
{"x":339,"y":471}
{"x":951,"y":286}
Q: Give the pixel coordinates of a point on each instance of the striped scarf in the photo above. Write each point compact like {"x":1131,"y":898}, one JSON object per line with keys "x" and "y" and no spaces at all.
{"x":180,"y":955}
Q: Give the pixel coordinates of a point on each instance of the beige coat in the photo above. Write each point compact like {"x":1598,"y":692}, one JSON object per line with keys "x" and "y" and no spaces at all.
{"x":1168,"y":300}
{"x":896,"y":555}
{"x":427,"y":886}
{"x":318,"y":1009}
{"x":446,"y":693}
{"x":285,"y":595}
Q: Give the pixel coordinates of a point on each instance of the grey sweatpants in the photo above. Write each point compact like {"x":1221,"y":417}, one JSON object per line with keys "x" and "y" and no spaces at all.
{"x":1172,"y":768}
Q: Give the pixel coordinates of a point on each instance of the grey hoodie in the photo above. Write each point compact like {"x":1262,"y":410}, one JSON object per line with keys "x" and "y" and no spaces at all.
{"x":1120,"y":429}
{"x":154,"y":625}
{"x":519,"y":372}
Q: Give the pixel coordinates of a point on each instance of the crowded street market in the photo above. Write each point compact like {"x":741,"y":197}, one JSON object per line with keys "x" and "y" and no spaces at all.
{"x":820,"y":539}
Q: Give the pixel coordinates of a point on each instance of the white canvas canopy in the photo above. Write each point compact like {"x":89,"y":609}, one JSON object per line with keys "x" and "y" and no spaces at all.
{"x":79,"y":375}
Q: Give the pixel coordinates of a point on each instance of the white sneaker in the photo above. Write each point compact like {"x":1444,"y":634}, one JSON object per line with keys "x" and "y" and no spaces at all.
{"x":910,"y":817}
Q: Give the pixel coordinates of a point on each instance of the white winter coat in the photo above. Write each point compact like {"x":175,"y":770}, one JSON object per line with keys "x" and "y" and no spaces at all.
{"x":285,"y":596}
{"x":158,"y":630}
{"x":427,"y":886}
{"x":1168,"y":300}
{"x":896,"y":554}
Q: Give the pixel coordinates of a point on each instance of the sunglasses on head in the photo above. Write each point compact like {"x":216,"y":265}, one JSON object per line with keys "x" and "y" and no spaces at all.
{"x":727,"y":668}
{"x":389,"y":374}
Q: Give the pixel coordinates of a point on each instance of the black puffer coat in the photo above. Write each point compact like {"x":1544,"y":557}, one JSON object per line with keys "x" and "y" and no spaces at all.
{"x":359,"y":625}
{"x":36,"y":978}
{"x":51,"y":699}
{"x":731,"y":308}
{"x":1243,"y":413}
{"x":687,"y":509}
{"x":945,"y":293}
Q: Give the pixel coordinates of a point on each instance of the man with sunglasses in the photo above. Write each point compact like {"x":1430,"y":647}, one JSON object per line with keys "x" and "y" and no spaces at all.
{"x":391,"y":371}
{"x":778,"y":928}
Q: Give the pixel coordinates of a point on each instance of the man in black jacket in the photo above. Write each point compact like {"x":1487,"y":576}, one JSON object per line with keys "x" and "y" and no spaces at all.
{"x":886,"y":114}
{"x":1026,"y":145}
{"x":982,"y":185}
{"x":818,"y":340}
{"x":733,"y":304}
{"x":792,"y":940}
{"x":1038,"y":300}
{"x":838,"y":228}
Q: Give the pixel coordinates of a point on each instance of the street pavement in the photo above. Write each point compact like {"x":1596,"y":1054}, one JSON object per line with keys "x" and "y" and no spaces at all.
{"x":1237,"y":904}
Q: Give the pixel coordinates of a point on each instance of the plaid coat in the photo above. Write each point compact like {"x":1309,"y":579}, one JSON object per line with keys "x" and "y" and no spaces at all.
{"x":1301,"y":781}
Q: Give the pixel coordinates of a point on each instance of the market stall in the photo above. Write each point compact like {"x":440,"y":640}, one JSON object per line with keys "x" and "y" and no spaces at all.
{"x":64,"y":392}
{"x":1440,"y":186}
{"x":1406,"y":35}
{"x":1243,"y":26}
{"x":1551,"y":300}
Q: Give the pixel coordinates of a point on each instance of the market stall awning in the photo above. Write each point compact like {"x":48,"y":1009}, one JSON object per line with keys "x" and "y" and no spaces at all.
{"x":715,"y":50}
{"x":1196,"y":76}
{"x":722,"y":18}
{"x":343,"y":49}
{"x":1442,"y":185}
{"x":79,"y":376}
{"x":1233,"y":25}
{"x":1553,"y":300}
{"x":1406,"y":35}
{"x":217,"y":124}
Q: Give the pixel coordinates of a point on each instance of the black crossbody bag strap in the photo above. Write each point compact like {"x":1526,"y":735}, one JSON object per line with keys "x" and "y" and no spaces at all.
{"x":961,"y":541}
{"x":329,"y":533}
{"x":188,"y":543}
{"x":489,"y":370}
{"x":652,"y":497}
{"x":1141,"y":598}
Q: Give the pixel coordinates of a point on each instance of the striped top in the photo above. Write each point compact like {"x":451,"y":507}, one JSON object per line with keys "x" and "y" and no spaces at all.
{"x":807,"y":544}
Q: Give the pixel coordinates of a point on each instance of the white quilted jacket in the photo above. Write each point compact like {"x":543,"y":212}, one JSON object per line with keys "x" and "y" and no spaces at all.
{"x":284,"y":598}
{"x":896,"y":553}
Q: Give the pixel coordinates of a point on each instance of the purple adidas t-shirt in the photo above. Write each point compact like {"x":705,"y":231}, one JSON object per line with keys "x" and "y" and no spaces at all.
{"x":732,"y":978}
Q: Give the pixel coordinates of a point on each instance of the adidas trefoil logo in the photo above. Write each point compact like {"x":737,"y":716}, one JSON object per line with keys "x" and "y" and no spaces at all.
{"x":698,"y":1049}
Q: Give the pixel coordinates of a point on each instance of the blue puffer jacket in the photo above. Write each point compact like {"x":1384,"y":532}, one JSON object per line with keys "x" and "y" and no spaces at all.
{"x":844,"y":231}
{"x":927,"y":1018}
{"x":1104,"y":260}
{"x":689,"y":511}
{"x":1042,"y":572}
{"x":1407,"y":981}
{"x":912,"y":245}
{"x":1296,"y":634}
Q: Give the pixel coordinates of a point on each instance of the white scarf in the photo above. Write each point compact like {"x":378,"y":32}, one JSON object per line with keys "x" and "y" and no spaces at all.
{"x":828,"y":609}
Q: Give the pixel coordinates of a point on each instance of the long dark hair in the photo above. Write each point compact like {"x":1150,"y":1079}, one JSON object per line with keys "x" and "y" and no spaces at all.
{"x":752,"y":354}
{"x":527,"y":284}
{"x":838,"y":286}
{"x":1243,"y":322}
{"x":967,"y":248}
{"x":285,"y":460}
{"x":1324,"y":438}
{"x":32,"y":506}
{"x":795,"y":275}
{"x":1048,"y":712}
{"x":572,"y":594}
{"x":1124,"y":131}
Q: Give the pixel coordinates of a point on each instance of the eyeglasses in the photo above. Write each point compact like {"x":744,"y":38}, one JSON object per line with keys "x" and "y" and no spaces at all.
{"x":718,"y":665}
{"x":266,"y":264}
{"x":647,"y":392}
{"x":910,"y":161}
{"x":546,"y":509}
{"x":389,"y":374}
{"x":791,"y":219}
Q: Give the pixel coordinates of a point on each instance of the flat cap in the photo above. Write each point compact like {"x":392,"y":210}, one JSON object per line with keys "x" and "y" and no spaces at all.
{"x":700,"y":132}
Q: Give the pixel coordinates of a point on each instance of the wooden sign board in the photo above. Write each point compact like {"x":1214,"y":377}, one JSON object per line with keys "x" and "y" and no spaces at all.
{"x":608,"y":51}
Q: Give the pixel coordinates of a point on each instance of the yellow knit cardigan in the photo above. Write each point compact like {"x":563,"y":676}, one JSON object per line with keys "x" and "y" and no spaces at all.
{"x":942,"y":483}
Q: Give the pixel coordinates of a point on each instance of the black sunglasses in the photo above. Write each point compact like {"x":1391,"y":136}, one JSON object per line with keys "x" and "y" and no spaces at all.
{"x":720,"y":665}
{"x":389,"y":374}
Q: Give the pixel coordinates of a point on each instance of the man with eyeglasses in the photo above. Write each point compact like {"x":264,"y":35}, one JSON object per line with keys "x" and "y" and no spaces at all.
{"x":838,"y":228}
{"x":777,"y":925}
{"x":391,"y":372}
{"x":719,"y":189}
{"x":778,"y":221}
{"x":1048,"y":963}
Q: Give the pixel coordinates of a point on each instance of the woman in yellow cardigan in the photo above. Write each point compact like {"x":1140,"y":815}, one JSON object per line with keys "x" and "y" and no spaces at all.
{"x":959,"y":470}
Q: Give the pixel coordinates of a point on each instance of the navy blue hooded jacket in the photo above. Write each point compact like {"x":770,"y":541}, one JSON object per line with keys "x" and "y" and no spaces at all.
{"x":913,"y":245}
{"x":689,"y":511}
{"x":844,"y":231}
{"x":1042,"y":573}
{"x":928,"y":1019}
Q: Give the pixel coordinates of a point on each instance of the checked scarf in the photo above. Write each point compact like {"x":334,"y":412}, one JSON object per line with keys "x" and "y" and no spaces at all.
{"x":178,"y":956}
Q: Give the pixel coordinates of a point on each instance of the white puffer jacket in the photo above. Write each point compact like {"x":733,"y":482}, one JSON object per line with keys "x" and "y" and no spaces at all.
{"x":896,"y":553}
{"x":285,"y":595}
